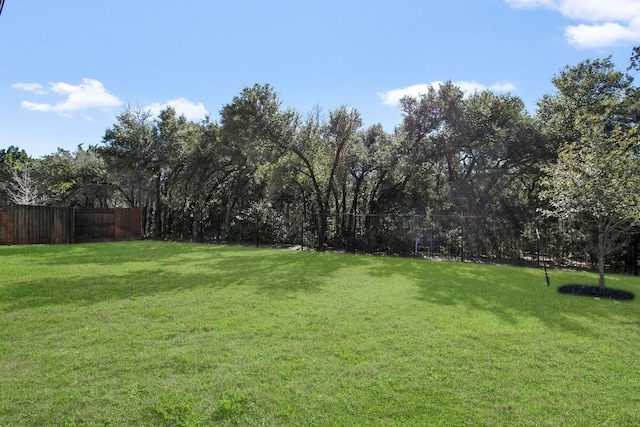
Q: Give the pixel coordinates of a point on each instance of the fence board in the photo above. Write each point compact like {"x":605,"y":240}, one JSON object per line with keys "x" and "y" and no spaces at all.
{"x":94,"y":225}
{"x":128,"y":224}
{"x":34,"y":225}
{"x":6,"y":227}
{"x":22,"y":225}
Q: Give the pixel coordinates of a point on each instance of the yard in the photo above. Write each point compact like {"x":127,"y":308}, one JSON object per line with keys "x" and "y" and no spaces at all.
{"x":159,"y":334}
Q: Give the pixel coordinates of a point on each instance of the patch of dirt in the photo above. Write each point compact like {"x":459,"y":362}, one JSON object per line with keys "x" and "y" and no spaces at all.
{"x":596,"y":291}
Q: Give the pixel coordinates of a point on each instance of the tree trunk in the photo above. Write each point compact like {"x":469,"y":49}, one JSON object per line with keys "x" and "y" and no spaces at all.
{"x":602,"y":249}
{"x":354,"y":211}
{"x":157,"y":220}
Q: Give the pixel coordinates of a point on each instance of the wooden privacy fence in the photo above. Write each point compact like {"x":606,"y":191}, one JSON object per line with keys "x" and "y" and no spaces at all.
{"x":25,"y":225}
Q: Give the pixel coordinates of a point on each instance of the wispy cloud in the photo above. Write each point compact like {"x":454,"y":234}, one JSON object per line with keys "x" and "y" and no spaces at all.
{"x":88,"y":95}
{"x":393,"y":97}
{"x":30,"y":87}
{"x":602,"y":23}
{"x":190,"y":110}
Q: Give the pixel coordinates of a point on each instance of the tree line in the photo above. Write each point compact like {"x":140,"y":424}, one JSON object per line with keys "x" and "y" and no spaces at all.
{"x":481,"y":155}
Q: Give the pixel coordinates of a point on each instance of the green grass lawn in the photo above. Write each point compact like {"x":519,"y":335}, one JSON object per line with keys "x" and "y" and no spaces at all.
{"x":159,"y":334}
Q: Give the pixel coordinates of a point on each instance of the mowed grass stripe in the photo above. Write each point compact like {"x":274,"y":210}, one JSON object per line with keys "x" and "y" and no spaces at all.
{"x":154,"y":333}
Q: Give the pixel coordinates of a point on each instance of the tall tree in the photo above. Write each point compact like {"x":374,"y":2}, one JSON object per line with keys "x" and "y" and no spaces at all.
{"x":73,"y":178}
{"x":211,"y":164}
{"x":171,"y":135}
{"x":128,"y":149}
{"x":592,"y":87}
{"x":594,"y":184}
{"x":630,"y":107}
{"x":317,"y":152}
{"x":477,"y":146}
{"x":147,"y":157}
{"x":255,"y":130}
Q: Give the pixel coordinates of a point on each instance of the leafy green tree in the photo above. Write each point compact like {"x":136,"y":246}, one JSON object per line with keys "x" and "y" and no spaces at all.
{"x":317,"y":152}
{"x":257,"y":124}
{"x":172,"y":135}
{"x":467,"y":153}
{"x":209,"y":171}
{"x":254,"y":131}
{"x":368,"y":159}
{"x":73,"y":178}
{"x":145,"y":155}
{"x":128,"y":150}
{"x":592,"y":87}
{"x":595,"y":184}
{"x":57,"y":176}
{"x":94,"y":186}
{"x":630,"y":107}
{"x":634,"y":61}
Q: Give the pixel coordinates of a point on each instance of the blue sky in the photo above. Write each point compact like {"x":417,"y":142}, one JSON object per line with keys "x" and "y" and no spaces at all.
{"x":68,"y":67}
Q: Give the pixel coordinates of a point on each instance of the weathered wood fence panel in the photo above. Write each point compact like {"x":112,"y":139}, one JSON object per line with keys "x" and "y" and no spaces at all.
{"x":6,"y":226}
{"x":128,"y":224}
{"x":22,"y":225}
{"x":94,"y":225}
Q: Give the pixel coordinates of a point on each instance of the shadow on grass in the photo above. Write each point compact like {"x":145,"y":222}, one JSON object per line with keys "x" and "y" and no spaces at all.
{"x":509,"y":293}
{"x":138,"y":269}
{"x":166,"y":267}
{"x":105,"y":254}
{"x":596,"y":291}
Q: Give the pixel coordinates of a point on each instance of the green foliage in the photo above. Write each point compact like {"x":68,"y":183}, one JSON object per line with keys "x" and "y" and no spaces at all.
{"x":465,"y":154}
{"x":74,"y":179}
{"x":483,"y":151}
{"x":597,"y":177}
{"x":594,"y":182}
{"x":128,"y":149}
{"x":590,"y":88}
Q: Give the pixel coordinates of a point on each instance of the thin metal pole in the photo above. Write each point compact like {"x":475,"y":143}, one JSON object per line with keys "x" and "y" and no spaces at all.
{"x":544,"y":264}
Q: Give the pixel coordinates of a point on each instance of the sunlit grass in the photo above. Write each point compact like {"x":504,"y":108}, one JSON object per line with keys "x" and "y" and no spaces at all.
{"x":151,"y":333}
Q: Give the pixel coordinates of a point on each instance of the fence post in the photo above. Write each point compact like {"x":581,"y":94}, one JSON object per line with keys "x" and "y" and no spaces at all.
{"x":302,"y":233}
{"x":461,"y":238}
{"x":257,"y":232}
{"x":218,"y":226}
{"x":634,"y":258}
{"x":72,"y":225}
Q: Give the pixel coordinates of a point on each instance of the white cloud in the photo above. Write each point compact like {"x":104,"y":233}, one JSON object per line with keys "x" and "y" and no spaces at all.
{"x":90,"y":94}
{"x":393,"y":97}
{"x":87,"y":95}
{"x":599,"y":10}
{"x":30,"y":87}
{"x":601,"y":35}
{"x":604,"y":23}
{"x":191,"y":110}
{"x":36,"y":106}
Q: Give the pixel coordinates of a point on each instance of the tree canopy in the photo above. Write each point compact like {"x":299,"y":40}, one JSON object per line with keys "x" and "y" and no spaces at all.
{"x":595,"y":182}
{"x":476,"y":162}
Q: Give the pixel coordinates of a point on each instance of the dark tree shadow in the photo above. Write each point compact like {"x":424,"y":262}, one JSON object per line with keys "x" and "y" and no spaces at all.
{"x":166,"y":267}
{"x":596,"y":291}
{"x":506,"y":292}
